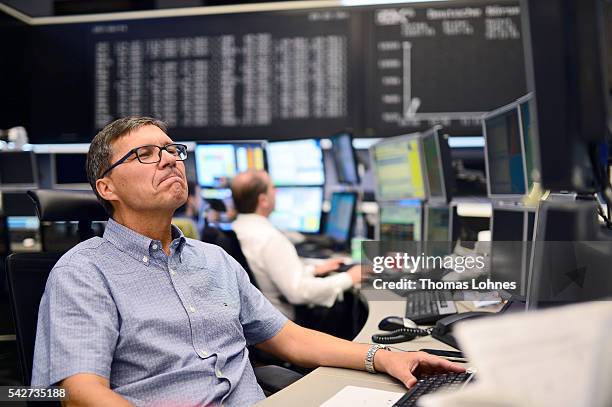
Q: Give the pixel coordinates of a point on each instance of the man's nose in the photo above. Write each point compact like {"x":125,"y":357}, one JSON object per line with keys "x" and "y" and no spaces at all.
{"x":167,"y":159}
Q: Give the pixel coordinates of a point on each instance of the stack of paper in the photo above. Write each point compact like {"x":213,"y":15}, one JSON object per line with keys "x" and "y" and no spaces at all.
{"x":557,"y":357}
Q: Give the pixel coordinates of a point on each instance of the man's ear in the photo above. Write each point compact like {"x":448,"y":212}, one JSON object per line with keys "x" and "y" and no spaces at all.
{"x":262,"y":201}
{"x":106,"y":189}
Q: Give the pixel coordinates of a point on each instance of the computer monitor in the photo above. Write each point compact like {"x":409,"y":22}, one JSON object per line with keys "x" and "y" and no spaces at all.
{"x":504,"y":154}
{"x":69,"y":171}
{"x":527,"y":120}
{"x":218,"y":163}
{"x":509,"y":243}
{"x":438,"y":165}
{"x":400,"y":221}
{"x":345,"y":160}
{"x":296,"y":163}
{"x":17,"y":203}
{"x":437,"y":229}
{"x":18,"y":169}
{"x":398,"y":168}
{"x":298,"y":209}
{"x":341,"y":217}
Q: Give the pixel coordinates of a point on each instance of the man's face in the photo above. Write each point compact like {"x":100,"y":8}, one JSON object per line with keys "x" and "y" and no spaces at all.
{"x":271,"y":193}
{"x":147,"y":187}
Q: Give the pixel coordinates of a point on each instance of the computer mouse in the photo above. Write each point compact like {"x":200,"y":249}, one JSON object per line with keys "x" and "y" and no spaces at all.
{"x":393,"y":323}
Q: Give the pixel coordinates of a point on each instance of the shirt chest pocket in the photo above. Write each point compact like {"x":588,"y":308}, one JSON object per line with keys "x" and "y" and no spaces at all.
{"x":219,"y":303}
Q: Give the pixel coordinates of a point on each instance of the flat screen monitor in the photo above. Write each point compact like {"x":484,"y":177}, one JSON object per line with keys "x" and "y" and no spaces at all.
{"x":296,"y":163}
{"x":437,"y":230}
{"x":17,"y":203}
{"x":398,"y":168}
{"x":345,"y":160}
{"x":70,"y":171}
{"x":508,"y":248}
{"x":341,"y":216}
{"x":504,"y":156}
{"x":400,"y":221}
{"x":217,"y":163}
{"x":298,"y":209}
{"x":529,"y":141}
{"x":438,"y":165}
{"x":18,"y":169}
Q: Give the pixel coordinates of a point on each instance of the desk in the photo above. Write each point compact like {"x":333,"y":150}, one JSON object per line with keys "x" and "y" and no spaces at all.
{"x":324,"y":382}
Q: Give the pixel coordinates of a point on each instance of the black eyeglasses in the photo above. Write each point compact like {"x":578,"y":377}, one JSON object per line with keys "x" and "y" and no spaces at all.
{"x":151,"y":154}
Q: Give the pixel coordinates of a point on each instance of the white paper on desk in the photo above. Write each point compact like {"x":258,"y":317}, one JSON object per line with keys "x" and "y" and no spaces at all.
{"x":362,"y":397}
{"x":557,"y":357}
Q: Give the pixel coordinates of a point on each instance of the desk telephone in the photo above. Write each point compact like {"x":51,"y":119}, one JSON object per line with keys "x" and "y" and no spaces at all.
{"x":403,"y":329}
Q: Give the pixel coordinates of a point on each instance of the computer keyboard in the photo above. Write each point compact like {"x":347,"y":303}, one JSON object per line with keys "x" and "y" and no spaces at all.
{"x":430,"y":384}
{"x":425,"y":307}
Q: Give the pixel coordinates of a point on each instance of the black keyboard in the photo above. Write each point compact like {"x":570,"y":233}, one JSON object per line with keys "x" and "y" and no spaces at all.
{"x":430,"y":384}
{"x":424,"y":307}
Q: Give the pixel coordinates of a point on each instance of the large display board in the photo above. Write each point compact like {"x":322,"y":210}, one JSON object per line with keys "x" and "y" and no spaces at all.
{"x":442,"y":63}
{"x":381,"y":71}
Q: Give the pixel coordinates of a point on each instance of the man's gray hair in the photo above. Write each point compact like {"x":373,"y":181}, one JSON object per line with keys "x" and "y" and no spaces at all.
{"x":100,"y":151}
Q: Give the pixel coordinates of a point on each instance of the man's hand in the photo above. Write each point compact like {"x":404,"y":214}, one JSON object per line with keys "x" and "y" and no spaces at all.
{"x":405,"y":365}
{"x":327,"y":266}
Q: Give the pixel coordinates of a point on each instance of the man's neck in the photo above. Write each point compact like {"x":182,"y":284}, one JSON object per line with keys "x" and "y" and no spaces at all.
{"x":262,"y":212}
{"x":155,"y":226}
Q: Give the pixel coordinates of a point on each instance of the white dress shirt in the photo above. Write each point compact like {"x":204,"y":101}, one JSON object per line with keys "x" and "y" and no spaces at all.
{"x":279,"y":271}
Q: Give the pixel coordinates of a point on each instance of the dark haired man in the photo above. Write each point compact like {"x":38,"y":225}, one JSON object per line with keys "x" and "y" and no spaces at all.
{"x":144,"y":316}
{"x":280,"y":274}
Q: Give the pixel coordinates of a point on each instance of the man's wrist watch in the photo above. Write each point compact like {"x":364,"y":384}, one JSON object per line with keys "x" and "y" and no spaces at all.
{"x":369,"y":359}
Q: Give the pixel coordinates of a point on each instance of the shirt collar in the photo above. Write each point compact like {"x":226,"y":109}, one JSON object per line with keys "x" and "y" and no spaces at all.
{"x":139,"y":246}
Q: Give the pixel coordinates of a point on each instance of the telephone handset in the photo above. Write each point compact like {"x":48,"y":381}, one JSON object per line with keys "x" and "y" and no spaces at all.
{"x":400,"y":330}
{"x":443,"y":331}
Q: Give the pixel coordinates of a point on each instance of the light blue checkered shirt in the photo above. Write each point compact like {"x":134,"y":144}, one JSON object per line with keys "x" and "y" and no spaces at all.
{"x":165,"y":330}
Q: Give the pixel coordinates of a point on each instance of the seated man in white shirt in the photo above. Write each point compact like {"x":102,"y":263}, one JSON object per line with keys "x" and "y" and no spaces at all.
{"x":278,"y":270}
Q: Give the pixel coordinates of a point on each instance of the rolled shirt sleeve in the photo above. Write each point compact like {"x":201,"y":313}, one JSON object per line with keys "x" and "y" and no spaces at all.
{"x":78,"y":326}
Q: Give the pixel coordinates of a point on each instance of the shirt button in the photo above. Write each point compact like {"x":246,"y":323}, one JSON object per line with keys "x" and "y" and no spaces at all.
{"x":204,"y":352}
{"x":154,"y":247}
{"x":192,"y":309}
{"x":145,"y":259}
{"x":219,"y":374}
{"x":172,"y":272}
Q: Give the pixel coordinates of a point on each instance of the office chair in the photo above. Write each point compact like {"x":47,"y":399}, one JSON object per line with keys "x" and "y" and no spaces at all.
{"x":28,"y":273}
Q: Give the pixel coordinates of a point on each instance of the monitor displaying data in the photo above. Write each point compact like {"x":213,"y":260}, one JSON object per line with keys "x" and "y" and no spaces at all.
{"x":504,"y":157}
{"x":437,"y":226}
{"x":400,"y":221}
{"x":344,"y":159}
{"x":18,"y":169}
{"x":298,"y":209}
{"x":433,"y":165}
{"x":341,"y":215}
{"x":217,"y":164}
{"x":69,"y":169}
{"x":398,"y":169}
{"x":296,"y":163}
